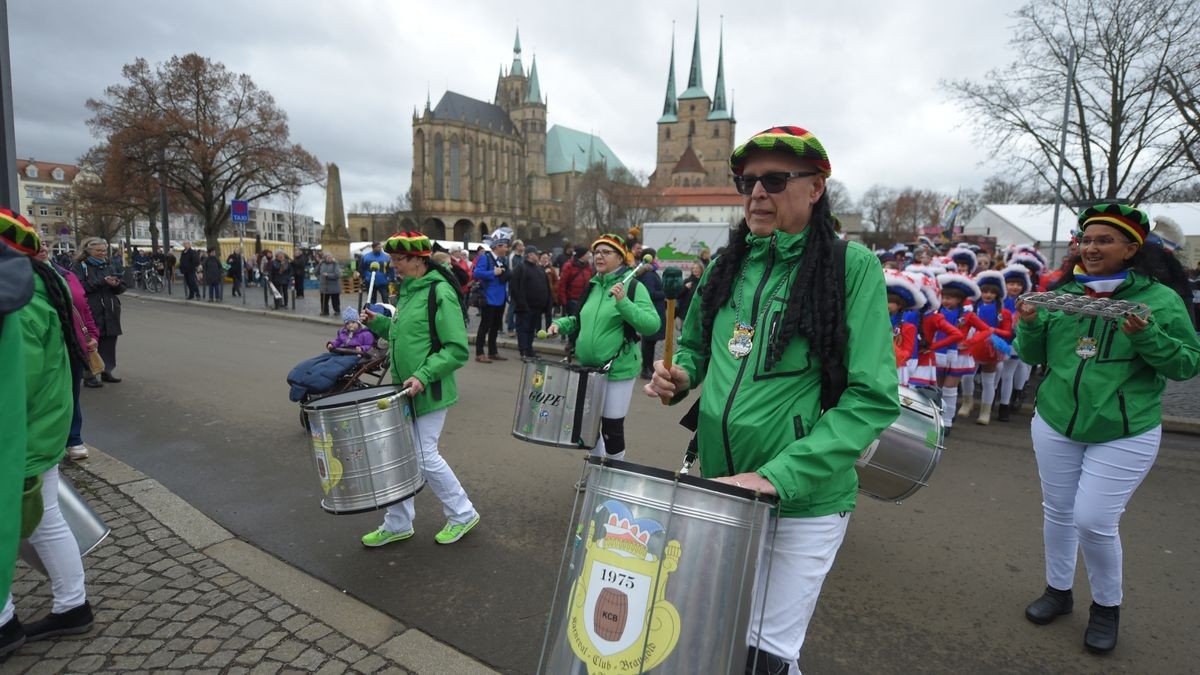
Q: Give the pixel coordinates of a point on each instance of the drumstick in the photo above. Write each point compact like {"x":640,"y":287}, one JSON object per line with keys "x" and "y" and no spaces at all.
{"x":646,"y":260}
{"x":672,"y":287}
{"x":371,"y":287}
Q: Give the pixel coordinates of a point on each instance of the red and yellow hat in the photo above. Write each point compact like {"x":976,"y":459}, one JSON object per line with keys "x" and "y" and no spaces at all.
{"x":614,"y":240}
{"x":1125,"y":218}
{"x":18,"y":233}
{"x":794,"y":141}
{"x":409,"y":243}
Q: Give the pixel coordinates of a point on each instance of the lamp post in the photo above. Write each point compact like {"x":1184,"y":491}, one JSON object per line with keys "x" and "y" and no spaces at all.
{"x":8,"y":143}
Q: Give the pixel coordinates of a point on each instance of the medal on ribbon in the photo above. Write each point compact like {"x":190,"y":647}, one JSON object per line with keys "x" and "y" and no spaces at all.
{"x":742,"y":341}
{"x":1086,"y":348}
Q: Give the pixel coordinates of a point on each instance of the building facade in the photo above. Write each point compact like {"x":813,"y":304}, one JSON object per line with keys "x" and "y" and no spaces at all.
{"x":478,"y":166}
{"x":43,"y":190}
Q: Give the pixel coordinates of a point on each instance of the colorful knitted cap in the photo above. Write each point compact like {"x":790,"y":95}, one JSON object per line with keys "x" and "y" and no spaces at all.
{"x":1126,"y":218}
{"x":18,"y":233}
{"x":790,"y":140}
{"x":614,"y":240}
{"x":408,"y":243}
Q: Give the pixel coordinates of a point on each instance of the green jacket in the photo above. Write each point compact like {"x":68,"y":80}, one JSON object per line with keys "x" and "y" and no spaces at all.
{"x":1117,"y":393}
{"x":601,"y":326}
{"x":409,"y":340}
{"x":50,"y":402}
{"x":12,"y":443}
{"x":770,"y":422}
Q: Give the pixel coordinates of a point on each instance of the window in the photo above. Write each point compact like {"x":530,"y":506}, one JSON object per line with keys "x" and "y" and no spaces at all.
{"x":28,"y":192}
{"x":58,"y":211}
{"x":362,"y":234}
{"x":42,"y":210}
{"x":668,"y":130}
{"x":439,"y":178}
{"x":691,"y":128}
{"x":716,"y":132}
{"x":57,"y":173}
{"x":31,"y":171}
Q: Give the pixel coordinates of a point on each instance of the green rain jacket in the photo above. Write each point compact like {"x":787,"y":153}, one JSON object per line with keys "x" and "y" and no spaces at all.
{"x":50,"y":402}
{"x":410,"y":341}
{"x":770,"y":421}
{"x":601,"y":326}
{"x":12,"y":444}
{"x":1117,"y":391}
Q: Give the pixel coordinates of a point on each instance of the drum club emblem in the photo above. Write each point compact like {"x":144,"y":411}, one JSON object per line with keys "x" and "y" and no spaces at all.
{"x":620,"y":621}
{"x":1086,"y":348}
{"x":329,"y":468}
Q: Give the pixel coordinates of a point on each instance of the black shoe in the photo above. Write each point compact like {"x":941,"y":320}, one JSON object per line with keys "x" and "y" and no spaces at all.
{"x":109,"y":377}
{"x":1002,"y":415}
{"x":1053,"y":604}
{"x":70,"y":622}
{"x":12,"y":636}
{"x":1018,"y":399}
{"x":93,"y":383}
{"x":1101,"y":634}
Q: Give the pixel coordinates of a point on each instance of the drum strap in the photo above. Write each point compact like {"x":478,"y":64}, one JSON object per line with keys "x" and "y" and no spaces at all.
{"x":435,"y":341}
{"x":631,"y":334}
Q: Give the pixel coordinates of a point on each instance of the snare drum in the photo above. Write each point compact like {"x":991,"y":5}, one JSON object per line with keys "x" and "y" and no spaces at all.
{"x":901,"y":460}
{"x":559,"y":403}
{"x":364,"y":450}
{"x":657,"y":574}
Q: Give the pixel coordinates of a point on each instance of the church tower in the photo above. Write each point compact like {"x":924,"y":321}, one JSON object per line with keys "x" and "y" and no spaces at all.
{"x":510,"y":89}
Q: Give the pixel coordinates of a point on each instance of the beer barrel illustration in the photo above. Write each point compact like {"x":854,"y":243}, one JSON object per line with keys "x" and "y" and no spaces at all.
{"x":612,"y":608}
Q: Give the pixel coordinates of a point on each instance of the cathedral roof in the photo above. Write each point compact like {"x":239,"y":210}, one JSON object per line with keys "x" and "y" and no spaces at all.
{"x":458,"y":108}
{"x":688,"y":163}
{"x":569,"y":150}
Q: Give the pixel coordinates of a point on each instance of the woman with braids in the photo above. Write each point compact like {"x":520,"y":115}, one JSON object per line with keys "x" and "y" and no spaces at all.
{"x":428,"y":343}
{"x":50,"y":350}
{"x":1098,"y":420}
{"x":103,"y":283}
{"x":768,"y":330}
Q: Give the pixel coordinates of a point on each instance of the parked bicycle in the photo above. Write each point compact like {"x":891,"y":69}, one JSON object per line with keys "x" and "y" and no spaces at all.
{"x":147,"y":278}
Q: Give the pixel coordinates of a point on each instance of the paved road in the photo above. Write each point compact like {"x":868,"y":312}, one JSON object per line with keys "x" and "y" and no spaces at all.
{"x":935,"y":585}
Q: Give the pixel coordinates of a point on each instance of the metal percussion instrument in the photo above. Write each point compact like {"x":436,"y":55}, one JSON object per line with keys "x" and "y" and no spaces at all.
{"x":559,"y":403}
{"x":363,"y":449}
{"x":904,"y":456}
{"x":1068,"y":303}
{"x":658,"y":574}
{"x":88,"y":528}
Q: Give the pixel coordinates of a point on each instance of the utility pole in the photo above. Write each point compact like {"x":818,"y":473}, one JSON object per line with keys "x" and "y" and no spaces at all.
{"x":8,"y":140}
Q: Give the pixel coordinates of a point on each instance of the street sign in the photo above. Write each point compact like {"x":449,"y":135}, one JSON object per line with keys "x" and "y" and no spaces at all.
{"x":239,"y":211}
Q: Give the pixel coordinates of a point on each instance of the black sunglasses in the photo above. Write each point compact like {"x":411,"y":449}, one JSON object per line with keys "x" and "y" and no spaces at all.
{"x":773,"y":182}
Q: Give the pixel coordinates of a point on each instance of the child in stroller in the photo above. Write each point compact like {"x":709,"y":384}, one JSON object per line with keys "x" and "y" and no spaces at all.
{"x":353,"y":360}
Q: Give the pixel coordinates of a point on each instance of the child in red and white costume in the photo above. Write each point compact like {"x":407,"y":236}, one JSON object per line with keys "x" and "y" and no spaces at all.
{"x":904,"y":295}
{"x":990,"y":350}
{"x":954,"y":363}
{"x":933,"y":325}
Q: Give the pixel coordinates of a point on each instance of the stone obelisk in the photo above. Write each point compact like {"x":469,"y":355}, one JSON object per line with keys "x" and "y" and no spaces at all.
{"x":335,"y":238}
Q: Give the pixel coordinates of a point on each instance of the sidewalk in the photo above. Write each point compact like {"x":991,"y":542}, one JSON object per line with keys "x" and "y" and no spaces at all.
{"x":174,"y":591}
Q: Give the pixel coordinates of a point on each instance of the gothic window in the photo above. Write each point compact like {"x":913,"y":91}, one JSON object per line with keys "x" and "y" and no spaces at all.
{"x":455,"y":169}
{"x":439,"y":178}
{"x":691,"y":128}
{"x":716,"y":132}
{"x":668,"y":130}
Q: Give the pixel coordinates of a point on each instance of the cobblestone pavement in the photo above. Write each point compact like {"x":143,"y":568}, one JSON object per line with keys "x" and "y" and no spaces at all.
{"x":163,"y":605}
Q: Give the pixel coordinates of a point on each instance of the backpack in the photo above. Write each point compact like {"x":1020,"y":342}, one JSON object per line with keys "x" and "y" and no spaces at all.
{"x":435,"y":340}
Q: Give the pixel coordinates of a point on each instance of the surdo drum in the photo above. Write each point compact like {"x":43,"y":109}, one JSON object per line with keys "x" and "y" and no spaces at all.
{"x":657,"y":574}
{"x":363,"y":449}
{"x":559,"y":403}
{"x":88,"y":528}
{"x":904,"y":456}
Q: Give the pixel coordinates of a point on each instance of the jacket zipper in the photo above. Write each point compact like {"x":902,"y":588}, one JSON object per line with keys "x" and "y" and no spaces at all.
{"x":1075,"y":388}
{"x":745,"y":360}
{"x":1124,"y":415}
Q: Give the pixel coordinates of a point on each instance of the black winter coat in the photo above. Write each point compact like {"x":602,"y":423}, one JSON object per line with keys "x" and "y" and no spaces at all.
{"x":101,"y":297}
{"x":530,"y":288}
{"x":653,"y":284}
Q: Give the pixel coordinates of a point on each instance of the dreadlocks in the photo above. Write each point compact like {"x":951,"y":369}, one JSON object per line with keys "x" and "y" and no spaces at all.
{"x":813,"y":311}
{"x":60,"y":299}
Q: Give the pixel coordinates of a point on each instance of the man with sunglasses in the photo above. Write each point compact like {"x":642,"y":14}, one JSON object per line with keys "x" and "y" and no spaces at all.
{"x":792,"y":341}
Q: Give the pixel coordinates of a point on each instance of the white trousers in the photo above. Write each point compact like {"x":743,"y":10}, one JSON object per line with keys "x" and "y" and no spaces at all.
{"x":1085,"y":488}
{"x":802,"y":555}
{"x":617,"y":396}
{"x":439,"y":477}
{"x":59,"y":552}
{"x":1014,"y":373}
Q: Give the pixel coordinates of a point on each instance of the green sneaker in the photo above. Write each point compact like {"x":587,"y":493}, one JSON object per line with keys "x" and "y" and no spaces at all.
{"x":381,"y":536}
{"x":452,"y":533}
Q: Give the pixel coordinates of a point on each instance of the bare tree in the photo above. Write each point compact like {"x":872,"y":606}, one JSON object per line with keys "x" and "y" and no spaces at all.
{"x":1126,"y":137}
{"x":877,"y":209}
{"x":1181,"y":87}
{"x":213,"y":135}
{"x":840,"y":200}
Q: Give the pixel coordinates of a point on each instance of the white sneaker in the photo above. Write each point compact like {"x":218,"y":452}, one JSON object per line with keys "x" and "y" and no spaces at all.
{"x":77,"y":452}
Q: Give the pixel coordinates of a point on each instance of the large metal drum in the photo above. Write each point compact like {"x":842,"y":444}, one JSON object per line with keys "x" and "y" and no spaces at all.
{"x":657,"y":574}
{"x":559,"y":403}
{"x":363,"y":449}
{"x":88,"y":528}
{"x":904,"y":456}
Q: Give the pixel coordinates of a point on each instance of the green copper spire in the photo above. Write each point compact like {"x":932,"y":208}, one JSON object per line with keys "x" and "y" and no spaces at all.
{"x":534,"y":95}
{"x":517,"y":69}
{"x":670,"y":105}
{"x":695,"y":88}
{"x":718,"y":102}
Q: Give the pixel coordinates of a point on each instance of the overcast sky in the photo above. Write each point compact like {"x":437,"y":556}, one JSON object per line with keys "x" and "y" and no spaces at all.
{"x":862,"y":75}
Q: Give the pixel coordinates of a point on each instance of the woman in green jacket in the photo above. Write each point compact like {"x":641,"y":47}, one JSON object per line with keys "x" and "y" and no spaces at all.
{"x":612,"y":318}
{"x":1098,"y":420}
{"x":49,"y":347}
{"x":424,"y":357}
{"x":762,"y":325}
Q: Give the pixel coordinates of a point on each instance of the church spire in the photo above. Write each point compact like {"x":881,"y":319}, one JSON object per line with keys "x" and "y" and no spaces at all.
{"x":695,"y":88}
{"x":718,"y":102}
{"x":535,"y":90}
{"x":670,"y":105}
{"x":517,"y":69}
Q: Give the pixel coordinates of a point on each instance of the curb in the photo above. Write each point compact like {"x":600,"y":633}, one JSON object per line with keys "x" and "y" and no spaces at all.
{"x":1181,"y":425}
{"x":410,"y":648}
{"x":543,"y":346}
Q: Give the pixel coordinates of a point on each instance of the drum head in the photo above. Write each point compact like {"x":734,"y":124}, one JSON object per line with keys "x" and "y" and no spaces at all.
{"x":684,"y":479}
{"x":565,"y":365}
{"x":352,"y":398}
